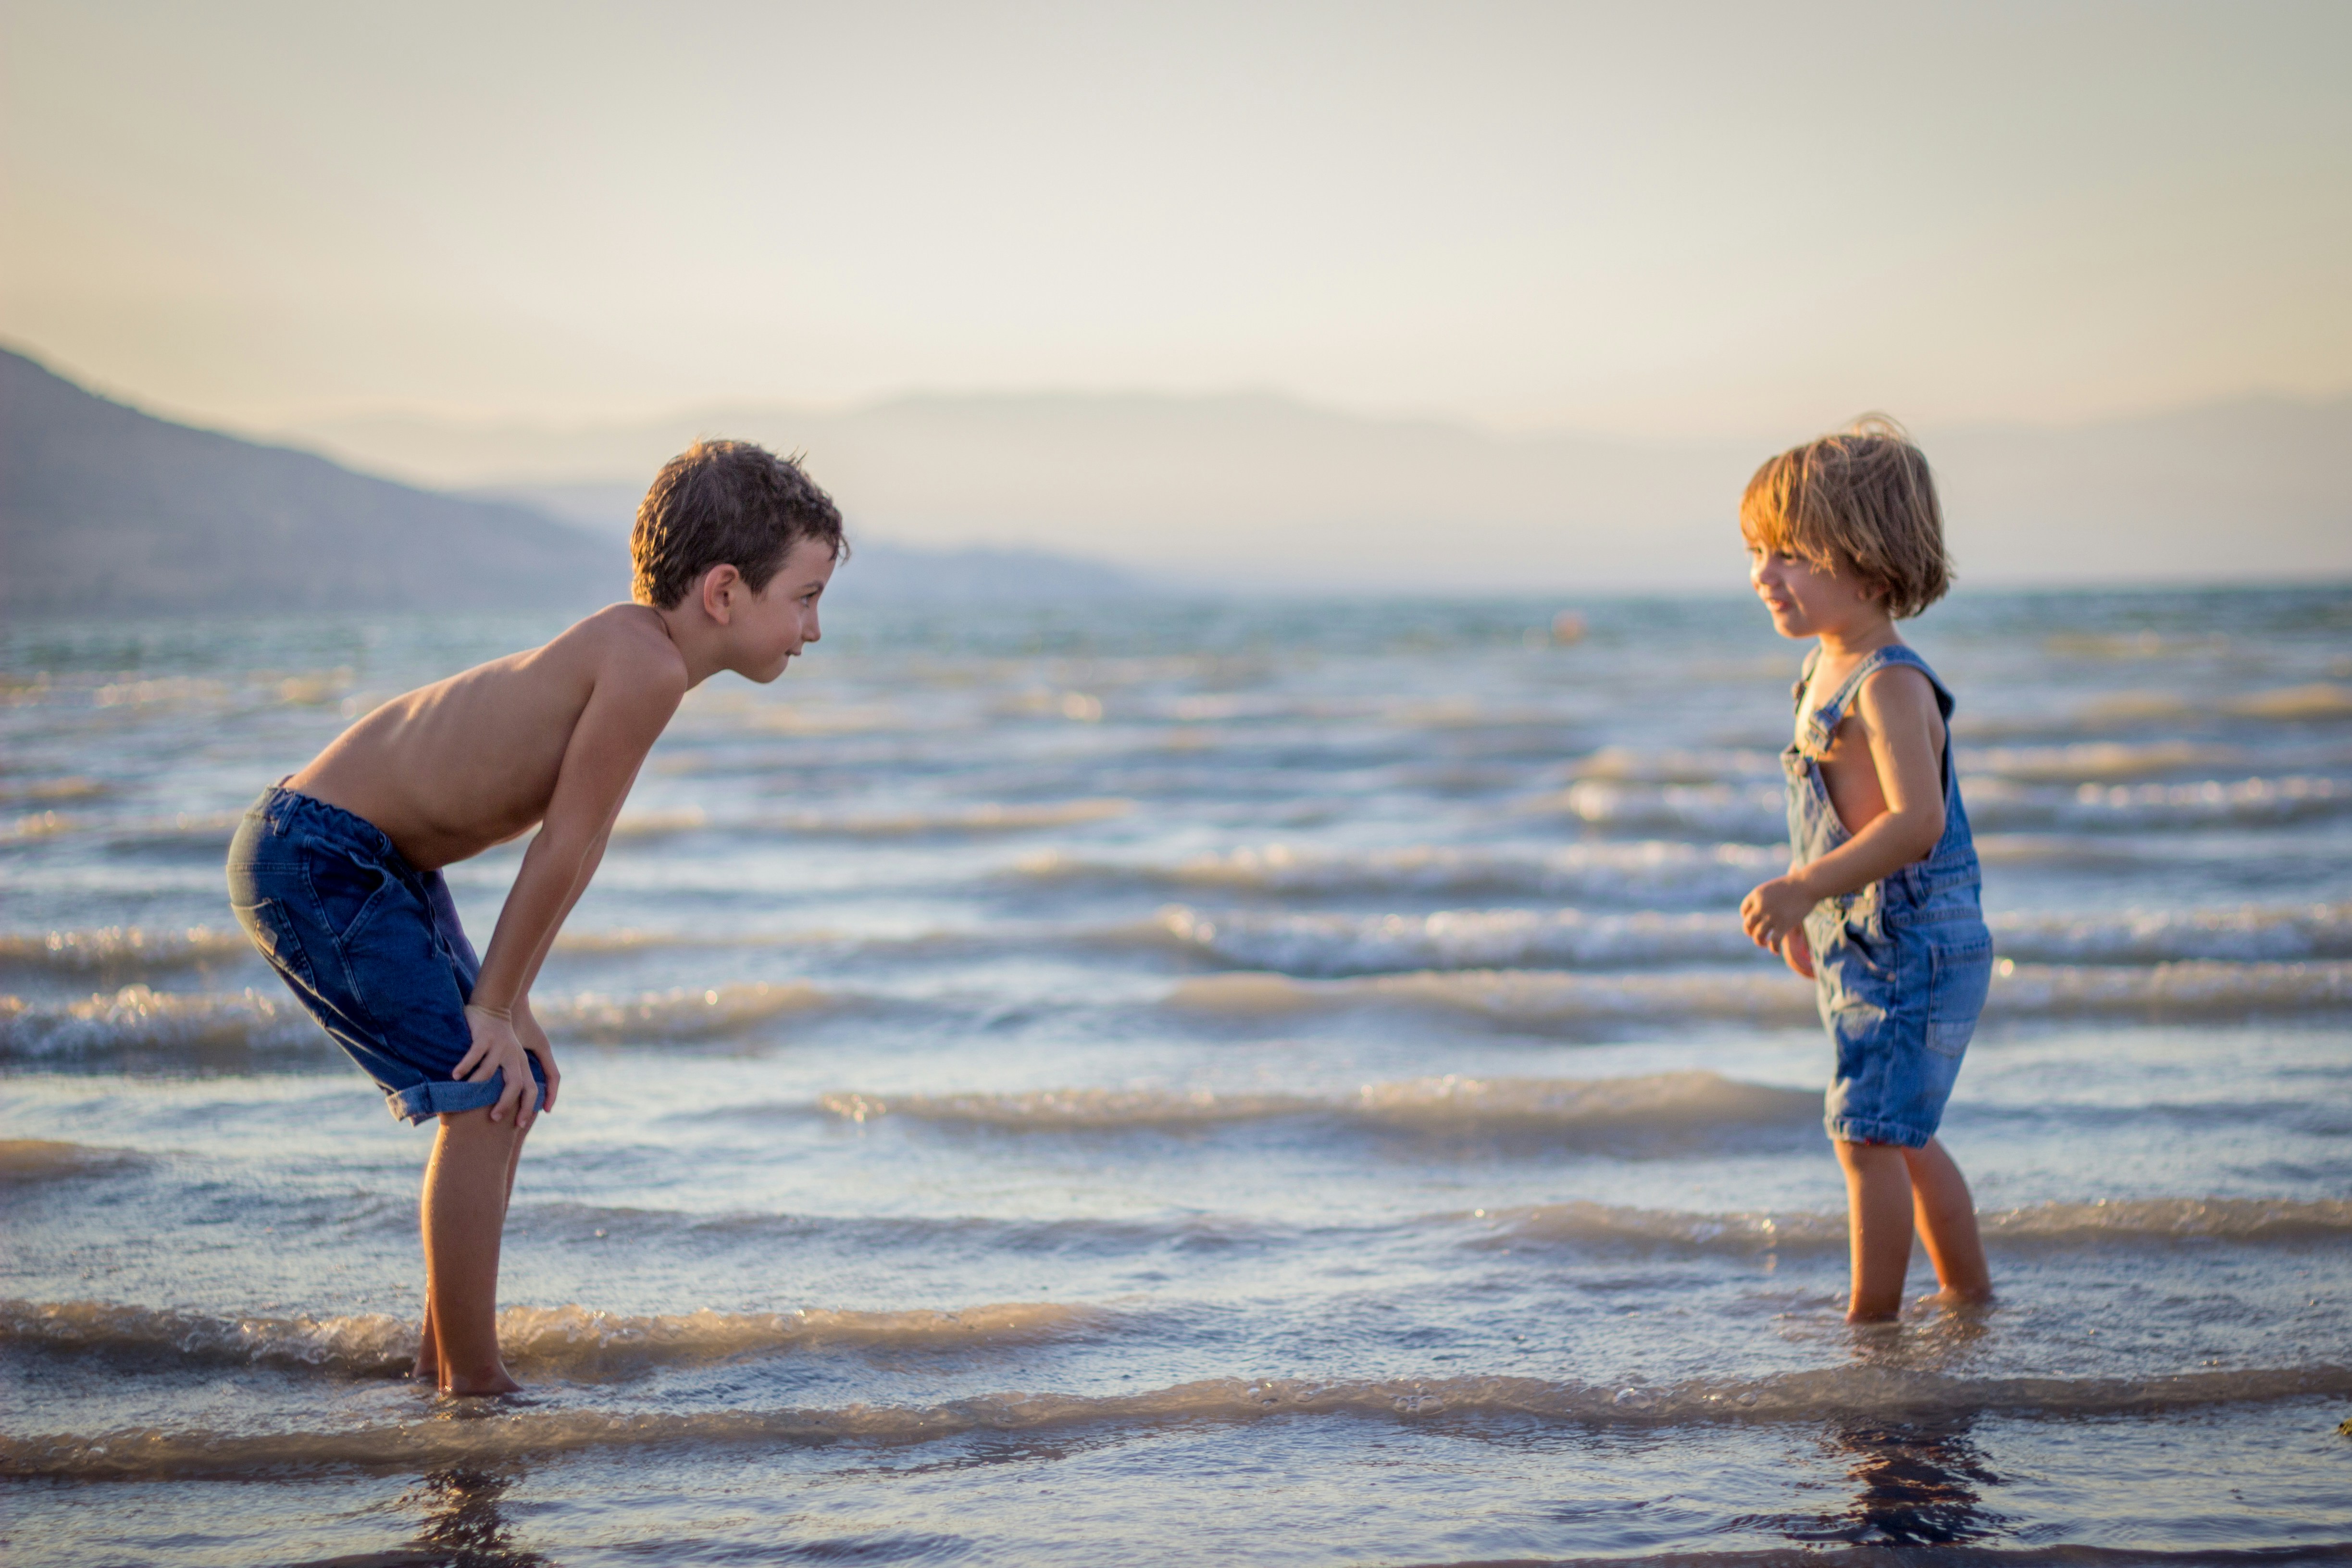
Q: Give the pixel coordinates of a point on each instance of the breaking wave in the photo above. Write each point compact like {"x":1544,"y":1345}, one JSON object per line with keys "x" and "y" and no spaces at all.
{"x":571,"y":1342}
{"x":1337,"y":944}
{"x":2250,"y":1221}
{"x":140,"y":1019}
{"x":1758,"y":813}
{"x":1455,"y":938}
{"x":1657,"y":1103}
{"x":1646,"y":872}
{"x":123,"y":947}
{"x":46,"y":1158}
{"x":1878,"y":1393}
{"x":1548,"y":997}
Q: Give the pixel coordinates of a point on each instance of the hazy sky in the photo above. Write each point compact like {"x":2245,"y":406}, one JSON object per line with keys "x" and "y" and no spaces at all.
{"x":1729,"y":219}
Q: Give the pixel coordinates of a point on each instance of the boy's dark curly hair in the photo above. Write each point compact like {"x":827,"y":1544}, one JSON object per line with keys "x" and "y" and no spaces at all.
{"x":725,"y":504}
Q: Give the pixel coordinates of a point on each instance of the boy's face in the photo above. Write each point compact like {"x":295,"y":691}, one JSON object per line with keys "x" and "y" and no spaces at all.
{"x":1807,"y":600}
{"x":780,"y":620}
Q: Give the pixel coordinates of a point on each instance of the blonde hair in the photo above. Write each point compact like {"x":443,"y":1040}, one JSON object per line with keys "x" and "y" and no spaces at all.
{"x":1861,"y":502}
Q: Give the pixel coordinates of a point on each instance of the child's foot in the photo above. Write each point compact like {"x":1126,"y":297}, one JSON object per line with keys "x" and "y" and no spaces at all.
{"x":497,"y":1380}
{"x":1952,"y":1300}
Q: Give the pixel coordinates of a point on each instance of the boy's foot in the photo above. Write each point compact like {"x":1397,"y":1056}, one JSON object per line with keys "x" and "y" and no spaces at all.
{"x":496,"y":1381}
{"x":1958,"y":1300}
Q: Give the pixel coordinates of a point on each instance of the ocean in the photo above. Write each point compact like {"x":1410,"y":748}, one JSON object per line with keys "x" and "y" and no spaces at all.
{"x":1203,"y":1082}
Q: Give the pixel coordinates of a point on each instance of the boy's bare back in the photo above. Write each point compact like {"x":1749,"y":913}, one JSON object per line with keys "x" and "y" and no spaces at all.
{"x":451,"y":769}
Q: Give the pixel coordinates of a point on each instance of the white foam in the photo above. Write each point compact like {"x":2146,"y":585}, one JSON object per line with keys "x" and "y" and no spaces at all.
{"x":1656,"y":1101}
{"x":569,"y":1341}
{"x":1599,"y":872}
{"x":1455,"y":938}
{"x":1860,"y":1390}
{"x":123,"y":947}
{"x":1535,"y":997}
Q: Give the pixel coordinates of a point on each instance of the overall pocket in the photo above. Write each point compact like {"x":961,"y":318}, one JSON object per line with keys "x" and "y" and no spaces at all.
{"x":1959,"y":976}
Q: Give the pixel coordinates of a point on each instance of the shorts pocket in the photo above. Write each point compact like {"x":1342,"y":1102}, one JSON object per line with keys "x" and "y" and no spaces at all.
{"x":347,"y":891}
{"x":1959,"y":976}
{"x":273,"y":935}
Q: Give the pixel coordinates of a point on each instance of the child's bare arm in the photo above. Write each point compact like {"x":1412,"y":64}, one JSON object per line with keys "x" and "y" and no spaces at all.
{"x":527,"y":1027}
{"x":1898,"y":720}
{"x":631,"y":703}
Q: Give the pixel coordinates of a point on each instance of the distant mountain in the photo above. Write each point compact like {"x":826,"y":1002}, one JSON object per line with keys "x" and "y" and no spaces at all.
{"x":1261,"y":491}
{"x":879,"y":570}
{"x":104,"y":509}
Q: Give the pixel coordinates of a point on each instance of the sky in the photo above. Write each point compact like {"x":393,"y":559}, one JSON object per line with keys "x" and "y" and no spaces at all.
{"x":1658,"y":221}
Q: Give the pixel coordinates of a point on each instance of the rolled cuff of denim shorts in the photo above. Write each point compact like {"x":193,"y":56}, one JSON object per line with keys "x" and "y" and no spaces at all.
{"x":1847,"y":1129}
{"x":445,"y":1096}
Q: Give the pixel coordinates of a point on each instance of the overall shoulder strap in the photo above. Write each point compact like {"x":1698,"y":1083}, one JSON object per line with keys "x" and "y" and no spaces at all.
{"x":1832,"y":712}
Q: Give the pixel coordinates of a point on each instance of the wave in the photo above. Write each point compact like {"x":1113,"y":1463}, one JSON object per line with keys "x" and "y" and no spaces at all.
{"x":1649,"y":872}
{"x":1877,"y":1392}
{"x":1529,"y":997}
{"x":2157,"y":936}
{"x":679,"y":1015}
{"x":2097,"y":761}
{"x":1757,"y":814}
{"x":140,"y":1019}
{"x":47,"y":1159}
{"x":1455,"y":938}
{"x":570,"y":1343}
{"x":984,"y":817}
{"x":1334,"y":944}
{"x":1629,"y":764}
{"x":71,"y":788}
{"x":989,"y":818}
{"x":2141,"y":1221}
{"x":123,"y":947}
{"x":2088,"y":762}
{"x":2319,"y":702}
{"x":1655,"y":1102}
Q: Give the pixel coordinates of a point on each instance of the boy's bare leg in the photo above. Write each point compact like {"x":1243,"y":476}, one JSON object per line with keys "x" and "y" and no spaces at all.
{"x":428,"y":1352}
{"x":1878,"y":1218}
{"x":463,"y":1213}
{"x":1948,"y":1223}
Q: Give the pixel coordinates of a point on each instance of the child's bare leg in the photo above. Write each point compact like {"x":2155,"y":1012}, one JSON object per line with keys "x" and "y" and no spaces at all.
{"x":464,"y":1212}
{"x":1878,"y":1218}
{"x":428,"y":1353}
{"x":1948,"y":1223}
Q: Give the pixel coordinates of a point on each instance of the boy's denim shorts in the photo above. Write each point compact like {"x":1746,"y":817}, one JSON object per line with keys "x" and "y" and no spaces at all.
{"x":370,"y":944}
{"x":1901,"y":1002}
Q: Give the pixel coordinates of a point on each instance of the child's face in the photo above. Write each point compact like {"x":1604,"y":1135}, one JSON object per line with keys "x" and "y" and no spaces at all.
{"x":780,"y":620}
{"x":1807,"y":600}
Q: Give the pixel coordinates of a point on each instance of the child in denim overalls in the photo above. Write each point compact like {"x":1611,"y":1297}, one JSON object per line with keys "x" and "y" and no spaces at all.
{"x":1879,"y":907}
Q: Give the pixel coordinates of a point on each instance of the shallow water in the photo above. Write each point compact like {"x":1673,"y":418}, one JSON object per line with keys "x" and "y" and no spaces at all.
{"x":1203,"y":1083}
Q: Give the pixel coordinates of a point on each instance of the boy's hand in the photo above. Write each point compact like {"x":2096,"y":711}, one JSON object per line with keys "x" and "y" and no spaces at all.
{"x":534,"y":1040}
{"x":1773,"y":910}
{"x":1795,"y":952}
{"x":497,"y":1049}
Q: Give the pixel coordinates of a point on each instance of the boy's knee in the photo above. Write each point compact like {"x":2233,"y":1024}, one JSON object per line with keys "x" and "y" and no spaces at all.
{"x":476,"y":1126}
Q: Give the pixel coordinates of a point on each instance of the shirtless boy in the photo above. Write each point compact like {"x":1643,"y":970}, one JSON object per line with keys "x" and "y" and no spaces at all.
{"x":335,"y":873}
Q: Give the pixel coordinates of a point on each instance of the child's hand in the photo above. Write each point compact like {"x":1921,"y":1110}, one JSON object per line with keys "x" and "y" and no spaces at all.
{"x":534,"y":1040}
{"x":497,"y":1049}
{"x":1795,"y":952}
{"x":1773,"y":910}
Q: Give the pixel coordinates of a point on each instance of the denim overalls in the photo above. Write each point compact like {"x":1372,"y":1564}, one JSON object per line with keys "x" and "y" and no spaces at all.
{"x":1903,"y":965}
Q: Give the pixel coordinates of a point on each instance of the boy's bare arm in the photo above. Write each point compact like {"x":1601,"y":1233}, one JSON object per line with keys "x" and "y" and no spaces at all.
{"x":1898,"y":719}
{"x":633,"y":700}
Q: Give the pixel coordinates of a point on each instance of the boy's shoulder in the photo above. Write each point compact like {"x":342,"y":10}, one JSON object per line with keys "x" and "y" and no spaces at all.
{"x":626,"y":644}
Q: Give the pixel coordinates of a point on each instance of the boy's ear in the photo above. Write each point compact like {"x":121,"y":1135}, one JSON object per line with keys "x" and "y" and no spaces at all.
{"x":719,"y":587}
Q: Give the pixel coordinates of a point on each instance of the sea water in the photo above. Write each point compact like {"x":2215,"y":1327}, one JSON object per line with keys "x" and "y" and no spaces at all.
{"x":1200,"y":1083}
